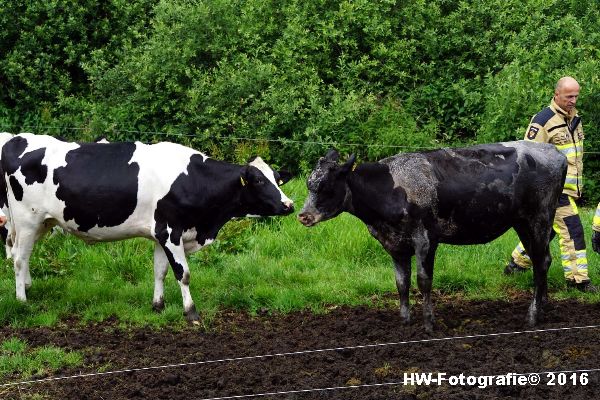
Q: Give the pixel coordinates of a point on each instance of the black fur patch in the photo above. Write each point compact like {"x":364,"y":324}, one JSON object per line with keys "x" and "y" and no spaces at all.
{"x":11,"y":151}
{"x":16,"y":188}
{"x":98,"y":185}
{"x":32,"y":168}
{"x":530,"y":161}
{"x":474,"y":189}
{"x":391,"y":201}
{"x":30,"y":164}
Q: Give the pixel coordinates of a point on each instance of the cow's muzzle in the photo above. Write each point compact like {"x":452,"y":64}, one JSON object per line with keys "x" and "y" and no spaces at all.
{"x":288,"y":207}
{"x":308,"y":219}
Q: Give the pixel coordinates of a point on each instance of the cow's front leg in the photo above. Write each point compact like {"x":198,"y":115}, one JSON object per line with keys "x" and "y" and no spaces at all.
{"x":27,"y":277}
{"x":425,"y":252}
{"x":402,"y":266}
{"x":176,"y":256}
{"x":161,"y":264}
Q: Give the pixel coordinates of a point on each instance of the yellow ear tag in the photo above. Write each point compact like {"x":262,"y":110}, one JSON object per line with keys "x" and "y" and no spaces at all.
{"x":280,"y":182}
{"x":243,"y":181}
{"x":353,"y":167}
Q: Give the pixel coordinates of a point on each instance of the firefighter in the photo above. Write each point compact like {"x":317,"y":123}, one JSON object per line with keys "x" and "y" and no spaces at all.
{"x":596,"y":230}
{"x":560,"y":125}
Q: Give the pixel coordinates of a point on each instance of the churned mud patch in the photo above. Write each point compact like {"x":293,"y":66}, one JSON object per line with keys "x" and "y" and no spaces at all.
{"x":358,"y":348}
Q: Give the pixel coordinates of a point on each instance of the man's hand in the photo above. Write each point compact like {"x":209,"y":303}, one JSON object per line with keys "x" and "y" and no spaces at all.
{"x":2,"y":220}
{"x":596,"y":241}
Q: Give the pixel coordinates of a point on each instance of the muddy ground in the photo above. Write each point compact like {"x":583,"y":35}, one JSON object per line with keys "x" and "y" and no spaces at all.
{"x":349,"y":372}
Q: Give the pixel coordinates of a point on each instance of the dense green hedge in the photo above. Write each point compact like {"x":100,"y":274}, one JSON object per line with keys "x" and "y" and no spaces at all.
{"x":414,"y":73}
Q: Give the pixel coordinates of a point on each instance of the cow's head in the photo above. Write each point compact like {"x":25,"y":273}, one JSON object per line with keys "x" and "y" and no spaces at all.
{"x":261,"y":194}
{"x":327,"y":189}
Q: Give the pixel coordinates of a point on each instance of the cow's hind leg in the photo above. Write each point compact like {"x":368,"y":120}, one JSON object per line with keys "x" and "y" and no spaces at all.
{"x":402,"y":266}
{"x":541,"y":264}
{"x":176,"y":256}
{"x":425,"y":253}
{"x":541,"y":259}
{"x":536,"y":242}
{"x":21,"y":251}
{"x":161,"y":265}
{"x":5,"y":234}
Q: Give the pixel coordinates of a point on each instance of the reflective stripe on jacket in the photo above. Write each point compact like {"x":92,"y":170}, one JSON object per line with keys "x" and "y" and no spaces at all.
{"x":564,"y":130}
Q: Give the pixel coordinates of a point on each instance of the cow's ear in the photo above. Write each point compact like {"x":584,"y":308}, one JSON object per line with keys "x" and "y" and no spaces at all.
{"x":349,"y":165}
{"x":332,"y":155}
{"x":284,"y":176}
{"x":244,"y":175}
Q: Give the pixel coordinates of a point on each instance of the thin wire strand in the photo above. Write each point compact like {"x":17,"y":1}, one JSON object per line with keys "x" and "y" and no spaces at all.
{"x":295,"y":353}
{"x":238,"y":138}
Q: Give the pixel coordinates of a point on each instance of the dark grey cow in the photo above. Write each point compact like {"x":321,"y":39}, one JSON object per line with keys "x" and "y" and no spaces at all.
{"x":414,"y":201}
{"x":173,"y":195}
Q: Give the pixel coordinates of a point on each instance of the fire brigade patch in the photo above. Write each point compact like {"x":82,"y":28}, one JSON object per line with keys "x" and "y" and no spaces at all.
{"x":532,"y":132}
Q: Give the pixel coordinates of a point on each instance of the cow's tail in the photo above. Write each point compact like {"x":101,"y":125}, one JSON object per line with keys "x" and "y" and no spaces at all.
{"x":4,"y":137}
{"x":5,"y":231}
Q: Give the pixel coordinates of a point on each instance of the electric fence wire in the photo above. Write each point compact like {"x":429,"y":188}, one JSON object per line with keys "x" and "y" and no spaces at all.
{"x":238,"y":138}
{"x":296,"y":353}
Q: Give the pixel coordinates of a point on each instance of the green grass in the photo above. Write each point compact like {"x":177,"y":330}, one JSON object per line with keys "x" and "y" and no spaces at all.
{"x":273,"y":264}
{"x":17,"y":358}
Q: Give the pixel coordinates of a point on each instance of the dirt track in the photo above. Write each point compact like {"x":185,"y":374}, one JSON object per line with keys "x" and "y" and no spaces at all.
{"x":108,"y":348}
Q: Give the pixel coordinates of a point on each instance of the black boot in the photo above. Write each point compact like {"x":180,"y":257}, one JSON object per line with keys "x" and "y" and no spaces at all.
{"x":596,"y":241}
{"x":583,"y":286}
{"x":513,"y":268}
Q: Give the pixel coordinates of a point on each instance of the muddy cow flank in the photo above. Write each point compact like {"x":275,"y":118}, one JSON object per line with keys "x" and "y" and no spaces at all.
{"x":412,"y":202}
{"x":171,"y":194}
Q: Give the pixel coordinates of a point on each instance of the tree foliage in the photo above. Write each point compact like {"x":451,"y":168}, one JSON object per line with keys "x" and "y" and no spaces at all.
{"x":287,"y":78}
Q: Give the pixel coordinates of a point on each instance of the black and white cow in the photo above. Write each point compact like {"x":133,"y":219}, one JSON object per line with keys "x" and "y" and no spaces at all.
{"x":171,"y":194}
{"x":412,"y":202}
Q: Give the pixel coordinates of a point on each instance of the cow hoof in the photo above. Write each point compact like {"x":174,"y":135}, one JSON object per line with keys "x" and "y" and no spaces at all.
{"x":428,"y":327}
{"x":533,"y":316}
{"x":158,"y":306}
{"x":405,"y":318}
{"x":192,"y":316}
{"x":532,"y":321}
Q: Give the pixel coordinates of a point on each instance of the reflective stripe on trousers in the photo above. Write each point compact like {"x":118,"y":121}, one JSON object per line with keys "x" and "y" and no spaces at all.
{"x":567,"y":225}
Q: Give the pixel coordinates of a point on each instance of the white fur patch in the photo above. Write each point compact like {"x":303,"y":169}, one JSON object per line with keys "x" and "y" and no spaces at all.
{"x":268,"y":172}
